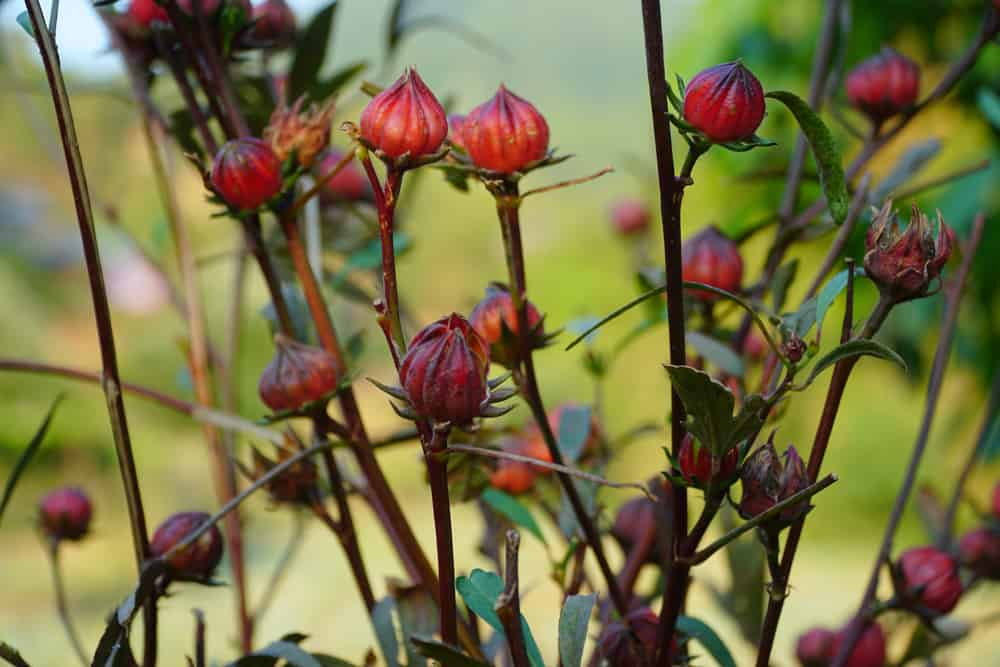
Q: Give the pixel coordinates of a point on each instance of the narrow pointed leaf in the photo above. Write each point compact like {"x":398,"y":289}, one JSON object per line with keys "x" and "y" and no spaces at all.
{"x":514,"y":510}
{"x":385,"y":630}
{"x":311,"y":51}
{"x":854,"y":348}
{"x":573,"y":621}
{"x":715,"y":352}
{"x":26,"y":456}
{"x":834,"y":286}
{"x":574,"y":431}
{"x":480,"y":590}
{"x":448,"y":656}
{"x":708,"y":638}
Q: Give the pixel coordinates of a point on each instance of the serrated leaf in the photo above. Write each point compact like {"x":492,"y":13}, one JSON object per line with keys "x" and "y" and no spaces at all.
{"x":24,"y":21}
{"x":480,"y":590}
{"x":824,"y":150}
{"x":854,"y":348}
{"x":709,"y":405}
{"x":448,"y":656}
{"x":831,"y":290}
{"x":574,"y":431}
{"x":573,"y":621}
{"x":717,"y":353}
{"x":513,"y":509}
{"x":385,"y":630}
{"x":25,"y":458}
{"x":708,"y":638}
{"x":311,"y":52}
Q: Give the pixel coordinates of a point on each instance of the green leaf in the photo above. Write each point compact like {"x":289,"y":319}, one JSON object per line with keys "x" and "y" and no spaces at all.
{"x":418,"y":615}
{"x":802,"y":320}
{"x":989,"y":104}
{"x":480,"y":590}
{"x":324,"y":88}
{"x":448,"y":656}
{"x":25,"y":22}
{"x":513,"y":509}
{"x":831,"y":171}
{"x":853,"y":348}
{"x":311,"y":52}
{"x":457,"y":177}
{"x":369,"y":256}
{"x":289,"y":652}
{"x":385,"y":630}
{"x":783,"y":277}
{"x":717,"y":353}
{"x":25,"y":458}
{"x":708,"y":638}
{"x":989,"y":450}
{"x":831,"y":290}
{"x":709,"y":405}
{"x":12,"y":656}
{"x":573,"y":621}
{"x":574,"y":431}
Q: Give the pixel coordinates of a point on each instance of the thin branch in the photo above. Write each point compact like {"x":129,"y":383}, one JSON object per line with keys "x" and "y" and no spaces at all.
{"x":508,"y":604}
{"x":569,"y":183}
{"x":61,"y":604}
{"x":320,"y":184}
{"x":437,"y":472}
{"x":941,"y":356}
{"x":199,"y":638}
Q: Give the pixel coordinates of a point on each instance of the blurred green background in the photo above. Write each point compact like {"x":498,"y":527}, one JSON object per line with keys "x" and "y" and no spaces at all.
{"x":582,"y":64}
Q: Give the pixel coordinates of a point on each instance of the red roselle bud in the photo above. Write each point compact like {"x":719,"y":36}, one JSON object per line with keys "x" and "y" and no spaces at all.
{"x":495,"y":319}
{"x":794,"y":478}
{"x":444,"y":371}
{"x":246,"y":173}
{"x":980,"y":552}
{"x":297,"y":375}
{"x":815,"y":647}
{"x":794,"y":348}
{"x":636,"y":522}
{"x":903,"y":264}
{"x":456,"y":123}
{"x":703,"y":470}
{"x":761,"y":478}
{"x":631,"y":644}
{"x":274,"y":24}
{"x":710,"y":257}
{"x":195,"y":562}
{"x":505,"y":134}
{"x":930,"y":577}
{"x":145,"y":12}
{"x":630,"y":217}
{"x":348,"y":185}
{"x":296,"y":485}
{"x":513,"y":477}
{"x":869,"y":651}
{"x":302,"y":134}
{"x":65,"y":514}
{"x":884,"y":85}
{"x":404,"y":119}
{"x":725,"y":103}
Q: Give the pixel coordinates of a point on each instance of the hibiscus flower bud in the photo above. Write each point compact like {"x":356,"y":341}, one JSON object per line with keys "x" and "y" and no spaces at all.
{"x":298,"y":375}
{"x":505,"y":134}
{"x":930,"y":577}
{"x":274,"y":24}
{"x":495,"y":319}
{"x":513,"y":477}
{"x":636,"y":522}
{"x":630,"y":217}
{"x":632,"y":643}
{"x":701,"y":468}
{"x":456,"y":123}
{"x":761,"y":479}
{"x":146,"y":12}
{"x":246,"y":173}
{"x":869,"y":651}
{"x":815,"y":647}
{"x":904,"y":263}
{"x":712,"y":258}
{"x":404,"y":119}
{"x":304,"y":134}
{"x":794,"y":478}
{"x":725,"y":103}
{"x":980,"y":552}
{"x":65,"y":514}
{"x":297,"y":484}
{"x":198,"y":560}
{"x":884,"y":85}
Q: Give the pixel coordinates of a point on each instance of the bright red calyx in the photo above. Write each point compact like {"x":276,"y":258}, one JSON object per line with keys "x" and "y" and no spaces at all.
{"x":815,"y":647}
{"x":712,"y":258}
{"x":348,"y":185}
{"x":884,"y":85}
{"x":980,"y":552}
{"x":145,"y":12}
{"x":700,"y":468}
{"x":444,"y":371}
{"x":298,"y":374}
{"x":494,"y":314}
{"x":505,"y":134}
{"x":869,"y":651}
{"x":198,"y":560}
{"x":725,"y":103}
{"x":246,"y":173}
{"x":904,"y":263}
{"x":931,"y":578}
{"x":404,"y":119}
{"x":65,"y":514}
{"x":274,"y":23}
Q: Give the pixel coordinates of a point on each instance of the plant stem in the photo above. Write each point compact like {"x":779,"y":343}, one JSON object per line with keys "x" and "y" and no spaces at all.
{"x":199,"y":638}
{"x":111,"y":382}
{"x":61,"y":605}
{"x":385,"y":203}
{"x":437,"y":469}
{"x":508,"y":604}
{"x":953,"y":298}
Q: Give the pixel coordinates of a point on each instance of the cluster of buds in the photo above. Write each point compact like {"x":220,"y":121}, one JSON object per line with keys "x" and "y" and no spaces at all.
{"x":819,"y":646}
{"x":979,"y":549}
{"x":724,"y":103}
{"x":65,"y":514}
{"x":927,"y":581}
{"x":630,"y":217}
{"x":712,"y":258}
{"x":884,"y":85}
{"x":298,"y":376}
{"x":195,"y":562}
{"x":405,"y":125}
{"x":302,"y":134}
{"x":495,"y":320}
{"x":766,"y":482}
{"x":904,"y":263}
{"x":705,"y":470}
{"x":246,"y":174}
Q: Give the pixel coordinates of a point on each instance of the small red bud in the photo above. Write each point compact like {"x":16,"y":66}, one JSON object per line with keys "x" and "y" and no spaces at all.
{"x":884,"y":85}
{"x":710,"y":257}
{"x":197,"y":561}
{"x":725,"y":102}
{"x":456,"y":123}
{"x":246,"y":173}
{"x":630,"y":216}
{"x":815,"y":647}
{"x":869,"y":651}
{"x":980,"y":552}
{"x":794,"y":348}
{"x":513,"y":477}
{"x":634,"y":642}
{"x":903,"y":264}
{"x":145,"y":12}
{"x":701,"y":469}
{"x":298,"y":374}
{"x":931,"y":578}
{"x":794,"y":478}
{"x":444,"y":371}
{"x":348,"y":185}
{"x":761,"y":478}
{"x":274,"y":24}
{"x":495,"y":314}
{"x":65,"y":514}
{"x":505,"y":134}
{"x":404,"y":119}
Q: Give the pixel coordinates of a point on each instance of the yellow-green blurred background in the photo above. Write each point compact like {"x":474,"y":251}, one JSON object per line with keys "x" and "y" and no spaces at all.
{"x":582,"y":64}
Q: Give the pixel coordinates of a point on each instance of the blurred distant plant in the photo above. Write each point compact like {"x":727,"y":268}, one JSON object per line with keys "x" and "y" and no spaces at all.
{"x":739,"y":352}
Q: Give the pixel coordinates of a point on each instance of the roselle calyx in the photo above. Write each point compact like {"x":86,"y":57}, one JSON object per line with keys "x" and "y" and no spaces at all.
{"x":299,"y":133}
{"x":349,"y":184}
{"x":246,"y":173}
{"x":725,"y":103}
{"x":195,"y":562}
{"x":404,"y":121}
{"x":869,"y":651}
{"x":298,"y":375}
{"x":712,"y":258}
{"x":814,"y":647}
{"x":766,"y":482}
{"x":904,"y":263}
{"x":505,"y":134}
{"x":704,"y":470}
{"x":274,"y":24}
{"x":630,"y":217}
{"x":495,"y":319}
{"x":147,"y":12}
{"x":65,"y":514}
{"x":884,"y":85}
{"x":979,"y":550}
{"x":929,"y":578}
{"x":297,"y":484}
